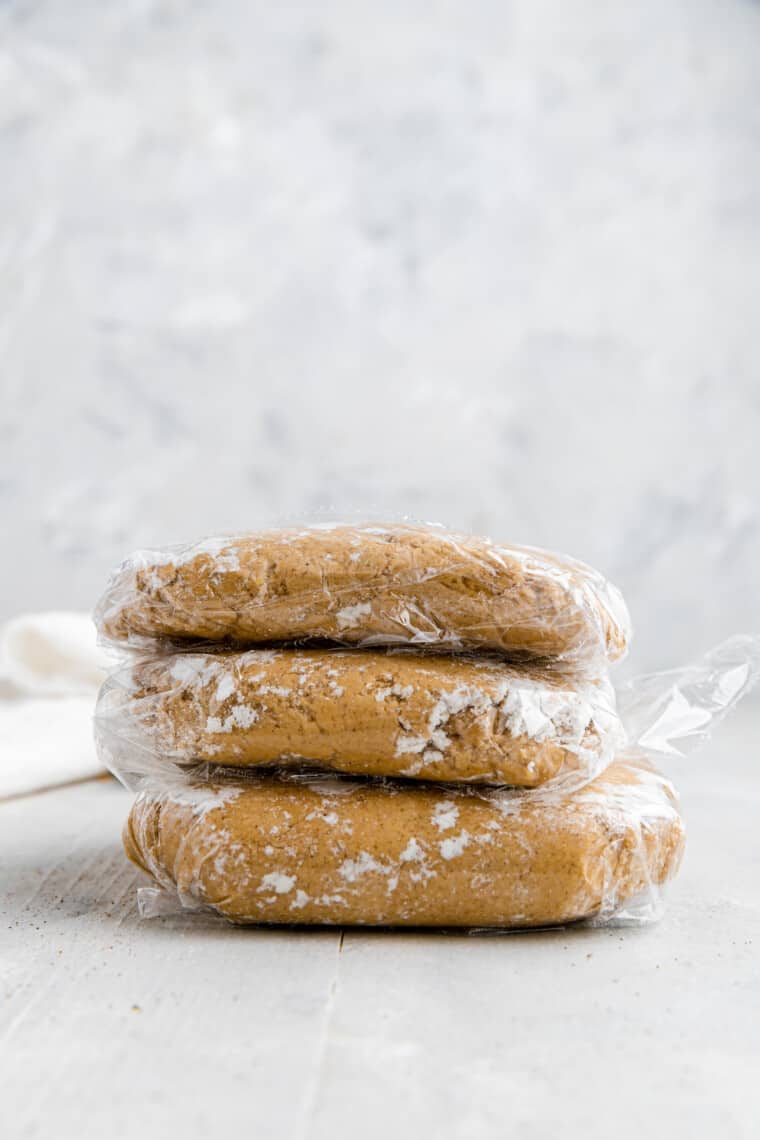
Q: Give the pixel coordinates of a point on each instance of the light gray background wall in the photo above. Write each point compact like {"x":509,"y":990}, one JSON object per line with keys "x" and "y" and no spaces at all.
{"x":490,"y":263}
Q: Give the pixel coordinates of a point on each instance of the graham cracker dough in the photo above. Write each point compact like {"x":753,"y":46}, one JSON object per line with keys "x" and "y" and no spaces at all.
{"x":368,"y":585}
{"x":364,"y":712}
{"x":336,"y":851}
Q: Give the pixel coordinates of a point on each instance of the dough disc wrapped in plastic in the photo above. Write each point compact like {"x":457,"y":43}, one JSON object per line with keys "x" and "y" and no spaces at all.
{"x":347,"y":852}
{"x":362,"y":712}
{"x":368,"y":585}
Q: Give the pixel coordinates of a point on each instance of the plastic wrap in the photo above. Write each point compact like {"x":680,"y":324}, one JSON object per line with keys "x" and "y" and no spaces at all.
{"x":668,"y":713}
{"x":378,"y":853}
{"x":363,"y":712}
{"x":368,"y":585}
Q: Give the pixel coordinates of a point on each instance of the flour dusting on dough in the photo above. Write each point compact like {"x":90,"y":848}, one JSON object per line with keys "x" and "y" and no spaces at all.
{"x":450,"y":848}
{"x":350,"y":616}
{"x":445,"y":815}
{"x":278,"y":882}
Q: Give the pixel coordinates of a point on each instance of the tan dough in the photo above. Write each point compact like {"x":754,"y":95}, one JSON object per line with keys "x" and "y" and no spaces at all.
{"x":363,"y":585}
{"x":364,"y":712}
{"x":331,"y":851}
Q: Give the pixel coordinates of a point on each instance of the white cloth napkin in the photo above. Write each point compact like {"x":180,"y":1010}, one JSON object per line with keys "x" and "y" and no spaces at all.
{"x":50,"y":671}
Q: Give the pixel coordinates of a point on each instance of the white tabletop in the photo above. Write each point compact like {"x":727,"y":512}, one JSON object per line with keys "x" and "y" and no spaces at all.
{"x":115,"y":1026}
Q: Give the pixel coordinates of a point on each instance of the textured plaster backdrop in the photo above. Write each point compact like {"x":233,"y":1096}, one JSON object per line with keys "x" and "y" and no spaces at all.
{"x":496,"y":264}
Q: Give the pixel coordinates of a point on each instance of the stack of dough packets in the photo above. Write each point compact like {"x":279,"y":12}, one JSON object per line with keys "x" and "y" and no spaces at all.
{"x":388,"y":725}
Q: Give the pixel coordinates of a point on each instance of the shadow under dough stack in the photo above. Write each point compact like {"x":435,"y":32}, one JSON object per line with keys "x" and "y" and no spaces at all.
{"x":385,"y":725}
